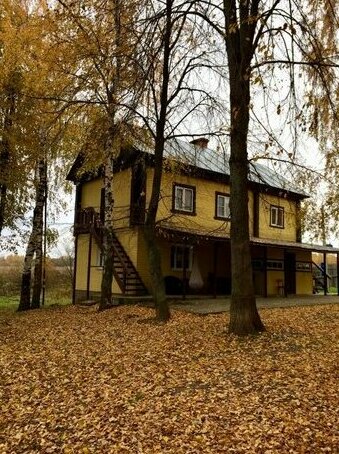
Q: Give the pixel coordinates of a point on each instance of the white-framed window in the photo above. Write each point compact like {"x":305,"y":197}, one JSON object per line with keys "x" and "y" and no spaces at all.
{"x":180,"y":255}
{"x":277,"y":216}
{"x":222,"y":206}
{"x":275,"y":264}
{"x":99,"y":258}
{"x":184,"y":198}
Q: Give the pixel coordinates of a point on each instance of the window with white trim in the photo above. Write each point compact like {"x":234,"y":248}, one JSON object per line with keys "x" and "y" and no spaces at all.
{"x":184,"y":198}
{"x":180,"y":255}
{"x":99,"y":258}
{"x":222,"y":206}
{"x":277,"y":216}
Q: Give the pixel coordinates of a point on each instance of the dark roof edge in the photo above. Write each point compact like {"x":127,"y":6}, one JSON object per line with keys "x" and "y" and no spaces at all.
{"x":122,"y":163}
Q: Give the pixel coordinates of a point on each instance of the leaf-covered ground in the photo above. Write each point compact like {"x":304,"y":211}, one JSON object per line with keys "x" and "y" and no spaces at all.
{"x":77,"y":381}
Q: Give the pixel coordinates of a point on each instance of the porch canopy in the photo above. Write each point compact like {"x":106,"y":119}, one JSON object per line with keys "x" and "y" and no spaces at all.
{"x":177,"y":233}
{"x":191,"y":235}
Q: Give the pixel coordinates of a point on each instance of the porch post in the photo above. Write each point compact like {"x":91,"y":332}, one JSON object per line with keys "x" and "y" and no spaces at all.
{"x":285,"y":274}
{"x":215,"y":261}
{"x":337,"y":273}
{"x":89,"y":266}
{"x":75,"y":264}
{"x":77,"y":205}
{"x":184,"y":273}
{"x":325,"y":273}
{"x":265,"y":271}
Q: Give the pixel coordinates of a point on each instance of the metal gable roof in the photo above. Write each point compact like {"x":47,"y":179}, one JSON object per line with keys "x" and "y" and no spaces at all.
{"x":217,"y":161}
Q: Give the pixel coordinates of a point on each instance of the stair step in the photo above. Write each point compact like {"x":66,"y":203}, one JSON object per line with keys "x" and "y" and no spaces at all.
{"x":136,"y":286}
{"x":123,"y":267}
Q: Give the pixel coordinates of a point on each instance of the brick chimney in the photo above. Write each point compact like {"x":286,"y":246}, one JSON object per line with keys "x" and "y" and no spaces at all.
{"x":201,"y":142}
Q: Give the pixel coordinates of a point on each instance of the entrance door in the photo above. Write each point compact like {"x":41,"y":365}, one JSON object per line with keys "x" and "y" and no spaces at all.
{"x":290,"y":282}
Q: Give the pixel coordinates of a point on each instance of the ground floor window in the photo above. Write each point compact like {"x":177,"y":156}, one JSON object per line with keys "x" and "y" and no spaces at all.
{"x":275,"y":264}
{"x":99,"y":258}
{"x":181,"y":255}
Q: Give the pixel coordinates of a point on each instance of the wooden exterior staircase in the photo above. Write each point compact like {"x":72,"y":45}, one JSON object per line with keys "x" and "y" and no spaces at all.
{"x":124,"y":271}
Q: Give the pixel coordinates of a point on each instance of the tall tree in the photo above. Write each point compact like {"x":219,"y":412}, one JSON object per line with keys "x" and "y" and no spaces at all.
{"x":33,"y":245}
{"x":172,"y":53}
{"x":262,"y":41}
{"x":98,"y":39}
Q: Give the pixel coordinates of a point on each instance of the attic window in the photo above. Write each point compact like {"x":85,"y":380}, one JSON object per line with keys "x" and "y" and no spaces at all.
{"x":183,"y":199}
{"x":277,"y":216}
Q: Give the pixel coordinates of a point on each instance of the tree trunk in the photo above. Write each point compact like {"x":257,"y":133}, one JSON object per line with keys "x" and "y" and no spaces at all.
{"x":110,"y":149}
{"x":34,"y":239}
{"x":149,"y":233}
{"x":107,"y":241}
{"x":3,"y":195}
{"x":154,"y":257}
{"x":158,"y":285}
{"x":41,"y":198}
{"x":4,"y":163}
{"x":244,"y":317}
{"x":37,"y":282}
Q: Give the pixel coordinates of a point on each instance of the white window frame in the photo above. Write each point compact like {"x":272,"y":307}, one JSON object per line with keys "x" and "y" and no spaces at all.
{"x":99,"y":259}
{"x":223,"y":212}
{"x":275,"y":212}
{"x":175,"y":249}
{"x":181,"y":202}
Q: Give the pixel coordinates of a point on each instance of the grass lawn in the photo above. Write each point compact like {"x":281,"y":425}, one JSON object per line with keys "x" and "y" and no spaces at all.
{"x":11,"y":303}
{"x":76,"y":381}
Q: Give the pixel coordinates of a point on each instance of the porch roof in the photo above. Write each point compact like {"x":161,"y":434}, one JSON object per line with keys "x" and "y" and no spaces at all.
{"x":195,"y":235}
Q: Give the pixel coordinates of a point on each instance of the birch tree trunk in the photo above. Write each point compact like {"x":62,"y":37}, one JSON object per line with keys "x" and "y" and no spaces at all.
{"x":33,"y":239}
{"x":107,"y":240}
{"x":37,"y":283}
{"x":110,"y":151}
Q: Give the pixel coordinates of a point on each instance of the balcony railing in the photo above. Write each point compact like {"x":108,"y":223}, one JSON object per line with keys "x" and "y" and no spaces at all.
{"x":87,"y":219}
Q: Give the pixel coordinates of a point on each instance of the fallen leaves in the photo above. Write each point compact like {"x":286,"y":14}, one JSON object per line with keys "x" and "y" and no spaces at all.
{"x":75,"y":381}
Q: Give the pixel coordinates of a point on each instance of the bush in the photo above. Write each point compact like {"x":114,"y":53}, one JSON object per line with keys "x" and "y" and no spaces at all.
{"x":58,"y":278}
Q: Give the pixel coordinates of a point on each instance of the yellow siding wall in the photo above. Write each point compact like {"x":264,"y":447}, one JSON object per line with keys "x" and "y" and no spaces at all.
{"x":122,"y":198}
{"x":142,"y":261}
{"x":288,"y":233}
{"x":90,"y":195}
{"x":205,"y":205}
{"x":82,"y":264}
{"x":205,"y":202}
{"x":272,"y":278}
{"x":82,"y":260}
{"x":304,"y":283}
{"x":205,"y":208}
{"x":129,"y":241}
{"x":304,"y":279}
{"x":95,"y":271}
{"x":121,"y":193}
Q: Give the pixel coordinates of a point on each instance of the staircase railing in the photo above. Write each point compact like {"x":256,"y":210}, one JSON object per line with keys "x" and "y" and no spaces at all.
{"x":88,"y":220}
{"x":319,"y":281}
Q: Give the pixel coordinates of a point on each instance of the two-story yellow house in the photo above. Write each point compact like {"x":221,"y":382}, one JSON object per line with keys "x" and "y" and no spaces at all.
{"x":193,"y":225}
